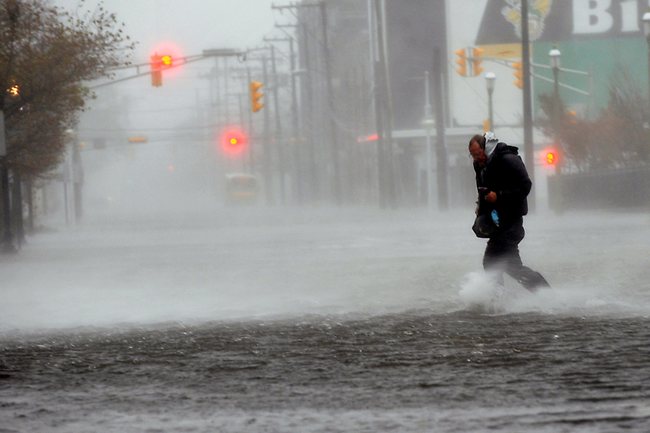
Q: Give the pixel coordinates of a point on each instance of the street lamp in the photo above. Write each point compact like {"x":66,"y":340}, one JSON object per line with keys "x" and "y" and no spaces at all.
{"x":428,"y":124}
{"x":490,"y":81}
{"x":555,"y":55}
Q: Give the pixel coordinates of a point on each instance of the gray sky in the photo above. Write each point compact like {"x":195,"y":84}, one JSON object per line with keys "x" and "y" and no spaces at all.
{"x":192,"y":24}
{"x":189,"y":27}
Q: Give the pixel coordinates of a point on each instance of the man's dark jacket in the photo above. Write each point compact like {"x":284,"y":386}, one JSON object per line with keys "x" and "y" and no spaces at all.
{"x":505,"y":174}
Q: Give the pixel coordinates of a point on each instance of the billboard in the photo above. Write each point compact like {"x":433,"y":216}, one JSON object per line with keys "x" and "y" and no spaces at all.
{"x":601,"y":41}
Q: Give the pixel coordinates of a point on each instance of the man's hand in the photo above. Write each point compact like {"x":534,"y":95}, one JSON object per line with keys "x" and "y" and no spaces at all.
{"x":491,"y":197}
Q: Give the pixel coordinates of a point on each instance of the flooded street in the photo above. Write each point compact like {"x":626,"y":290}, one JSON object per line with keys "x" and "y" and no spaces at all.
{"x":409,"y":372}
{"x":324,"y":321}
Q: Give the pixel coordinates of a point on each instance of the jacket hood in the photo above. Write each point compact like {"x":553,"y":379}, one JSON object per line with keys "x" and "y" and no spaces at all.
{"x":503,"y":148}
{"x":491,"y":142}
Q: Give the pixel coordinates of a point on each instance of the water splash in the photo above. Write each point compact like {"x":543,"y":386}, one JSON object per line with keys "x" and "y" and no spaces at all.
{"x":482,"y":292}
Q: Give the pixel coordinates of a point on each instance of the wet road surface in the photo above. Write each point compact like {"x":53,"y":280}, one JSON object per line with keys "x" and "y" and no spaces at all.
{"x":409,"y":372}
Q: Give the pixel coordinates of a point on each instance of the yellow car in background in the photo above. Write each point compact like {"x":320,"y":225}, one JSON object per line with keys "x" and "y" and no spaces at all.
{"x":241,"y":188}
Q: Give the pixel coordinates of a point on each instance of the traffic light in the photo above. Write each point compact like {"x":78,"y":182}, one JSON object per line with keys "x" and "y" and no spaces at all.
{"x":234,"y":141}
{"x":158,"y":63}
{"x":573,"y":117}
{"x":256,"y":96}
{"x":519,"y":75}
{"x":461,"y":61}
{"x":476,"y":61}
{"x":14,"y":90}
{"x":167,"y":61}
{"x":551,"y":157}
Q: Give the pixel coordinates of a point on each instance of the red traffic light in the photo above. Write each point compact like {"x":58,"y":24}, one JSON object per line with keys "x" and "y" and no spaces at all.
{"x":165,"y":56}
{"x":551,"y":157}
{"x":161,"y":61}
{"x":233,"y":141}
{"x":158,"y":63}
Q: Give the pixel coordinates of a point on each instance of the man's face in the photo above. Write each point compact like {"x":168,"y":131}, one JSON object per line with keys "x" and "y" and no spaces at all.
{"x":478,"y":154}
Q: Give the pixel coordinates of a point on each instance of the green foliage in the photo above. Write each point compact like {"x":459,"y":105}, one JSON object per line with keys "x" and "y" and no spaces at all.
{"x":50,"y":54}
{"x":618,"y":138}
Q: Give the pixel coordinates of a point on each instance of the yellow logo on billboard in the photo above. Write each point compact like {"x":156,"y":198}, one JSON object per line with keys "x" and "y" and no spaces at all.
{"x":537,"y":13}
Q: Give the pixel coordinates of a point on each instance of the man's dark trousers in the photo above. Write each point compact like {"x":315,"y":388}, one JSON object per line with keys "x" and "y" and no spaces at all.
{"x":502,"y":255}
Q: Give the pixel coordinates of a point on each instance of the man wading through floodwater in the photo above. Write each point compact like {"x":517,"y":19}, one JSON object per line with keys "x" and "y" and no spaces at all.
{"x":503,"y":185}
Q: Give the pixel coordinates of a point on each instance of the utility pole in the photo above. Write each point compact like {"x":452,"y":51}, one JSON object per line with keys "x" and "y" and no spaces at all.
{"x":428,"y":123}
{"x":251,"y":150}
{"x":297,"y":141}
{"x":294,"y":145}
{"x":303,"y":121}
{"x":334,"y":143}
{"x":278,"y":126}
{"x":527,"y":101}
{"x":386,"y":174}
{"x":226,"y":108}
{"x":266,"y":151}
{"x":217,"y":88}
{"x":441,"y":148}
{"x":308,"y":126}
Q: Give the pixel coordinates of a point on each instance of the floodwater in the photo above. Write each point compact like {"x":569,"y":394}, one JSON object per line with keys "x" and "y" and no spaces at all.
{"x":325,"y":321}
{"x":407,"y":372}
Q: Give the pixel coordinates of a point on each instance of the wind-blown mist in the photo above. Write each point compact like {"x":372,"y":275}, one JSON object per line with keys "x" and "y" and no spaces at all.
{"x":150,"y":179}
{"x":152,"y":255}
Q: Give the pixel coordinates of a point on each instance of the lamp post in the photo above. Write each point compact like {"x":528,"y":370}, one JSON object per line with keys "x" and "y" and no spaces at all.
{"x":490,"y":81}
{"x":555,"y":55}
{"x":428,"y":123}
{"x":646,"y":31}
